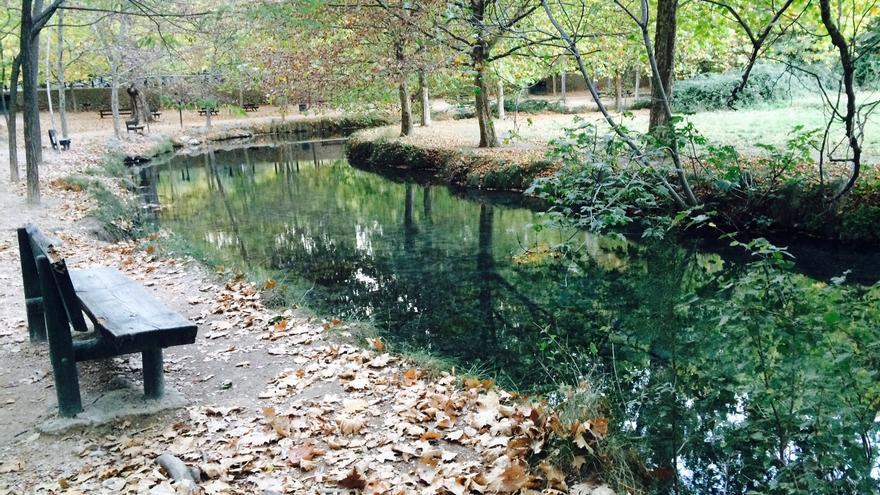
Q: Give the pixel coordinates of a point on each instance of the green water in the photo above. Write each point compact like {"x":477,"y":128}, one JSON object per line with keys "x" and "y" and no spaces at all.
{"x":696,"y":367}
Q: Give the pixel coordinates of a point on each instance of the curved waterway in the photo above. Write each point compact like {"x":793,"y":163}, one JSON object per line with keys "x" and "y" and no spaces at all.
{"x":703,"y":377}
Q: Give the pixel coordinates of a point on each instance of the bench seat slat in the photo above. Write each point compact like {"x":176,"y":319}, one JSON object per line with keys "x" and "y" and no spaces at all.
{"x":124,"y":310}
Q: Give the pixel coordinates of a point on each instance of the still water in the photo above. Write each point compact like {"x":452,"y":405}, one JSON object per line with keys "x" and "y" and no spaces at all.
{"x":662,"y":326}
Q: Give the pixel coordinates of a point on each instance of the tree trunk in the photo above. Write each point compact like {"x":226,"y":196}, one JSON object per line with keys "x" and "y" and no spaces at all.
{"x":114,"y":106}
{"x":29,"y":46}
{"x":500,"y":101}
{"x":49,"y":83}
{"x":638,"y":85}
{"x":426,"y":99}
{"x":11,"y":124}
{"x":488,"y":139}
{"x":562,"y":87}
{"x":406,"y":120}
{"x":140,"y":109}
{"x":664,"y":46}
{"x":62,"y":97}
{"x":553,"y":79}
{"x":618,"y":93}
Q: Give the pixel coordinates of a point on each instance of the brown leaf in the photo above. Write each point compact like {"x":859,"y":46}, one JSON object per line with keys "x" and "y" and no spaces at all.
{"x":555,"y":477}
{"x":351,"y":426}
{"x":600,"y":427}
{"x":515,"y":477}
{"x":377,"y":344}
{"x":410,"y":378}
{"x":296,"y":455}
{"x":430,"y":435}
{"x":354,"y":481}
{"x":270,"y":284}
{"x":280,"y":424}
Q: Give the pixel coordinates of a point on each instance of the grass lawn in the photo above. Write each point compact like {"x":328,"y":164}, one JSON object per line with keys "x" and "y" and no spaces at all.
{"x":743,"y":129}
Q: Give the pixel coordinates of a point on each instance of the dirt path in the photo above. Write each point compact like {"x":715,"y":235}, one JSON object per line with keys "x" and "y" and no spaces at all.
{"x":279,"y":403}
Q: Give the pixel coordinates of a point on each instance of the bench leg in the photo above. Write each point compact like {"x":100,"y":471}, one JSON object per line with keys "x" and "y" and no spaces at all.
{"x":154,"y":374}
{"x":33,"y":298}
{"x":60,"y":344}
{"x":36,"y":320}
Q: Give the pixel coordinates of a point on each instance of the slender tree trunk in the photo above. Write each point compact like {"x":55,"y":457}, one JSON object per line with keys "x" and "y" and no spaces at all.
{"x":562,"y":84}
{"x":62,"y":97}
{"x":618,"y":92}
{"x":426,"y":99}
{"x":406,"y":119}
{"x":29,"y":46}
{"x":638,"y":85}
{"x":488,"y":139}
{"x":114,"y":106}
{"x":49,"y":83}
{"x":11,"y":122}
{"x":664,"y":46}
{"x":500,"y":101}
{"x":850,"y":117}
{"x":553,"y":79}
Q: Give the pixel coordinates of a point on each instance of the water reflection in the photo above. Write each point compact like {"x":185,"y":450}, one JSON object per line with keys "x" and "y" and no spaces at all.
{"x":471,"y":278}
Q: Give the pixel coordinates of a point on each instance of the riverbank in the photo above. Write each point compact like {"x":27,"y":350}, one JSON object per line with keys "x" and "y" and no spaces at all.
{"x":279,"y":401}
{"x":450,"y":160}
{"x":784,"y":196}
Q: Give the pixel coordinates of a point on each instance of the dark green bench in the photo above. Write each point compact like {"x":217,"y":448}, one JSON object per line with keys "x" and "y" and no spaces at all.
{"x":126,"y":318}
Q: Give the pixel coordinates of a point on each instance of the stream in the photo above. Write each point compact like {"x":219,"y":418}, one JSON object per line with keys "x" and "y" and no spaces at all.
{"x":717,"y":390}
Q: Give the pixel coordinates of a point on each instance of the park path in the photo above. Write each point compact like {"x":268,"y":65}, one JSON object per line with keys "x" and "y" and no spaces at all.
{"x":279,"y":402}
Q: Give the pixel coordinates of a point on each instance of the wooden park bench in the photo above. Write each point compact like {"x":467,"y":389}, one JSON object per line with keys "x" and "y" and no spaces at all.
{"x":156,"y":114}
{"x":250,"y":107}
{"x":125,"y":318}
{"x":132,"y":125}
{"x":55,"y":142}
{"x":205,"y":110}
{"x":106,"y":111}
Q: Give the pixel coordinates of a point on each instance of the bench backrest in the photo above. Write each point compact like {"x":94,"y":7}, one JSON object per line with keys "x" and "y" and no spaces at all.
{"x":36,"y":251}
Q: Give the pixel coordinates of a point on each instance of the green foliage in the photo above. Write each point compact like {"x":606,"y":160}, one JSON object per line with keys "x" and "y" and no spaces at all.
{"x":798,"y":359}
{"x":861,"y":223}
{"x":867,"y":64}
{"x":596,"y":187}
{"x":767,"y":85}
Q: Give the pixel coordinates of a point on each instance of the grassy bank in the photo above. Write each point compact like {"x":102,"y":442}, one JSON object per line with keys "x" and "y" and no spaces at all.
{"x":303,"y":128}
{"x":450,"y":166}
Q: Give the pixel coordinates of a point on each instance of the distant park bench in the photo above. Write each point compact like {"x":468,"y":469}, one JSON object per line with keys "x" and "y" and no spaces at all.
{"x":106,"y":111}
{"x":126,"y":318}
{"x":205,"y":110}
{"x":55,"y":142}
{"x":250,"y":107}
{"x":156,"y":114}
{"x":132,"y":125}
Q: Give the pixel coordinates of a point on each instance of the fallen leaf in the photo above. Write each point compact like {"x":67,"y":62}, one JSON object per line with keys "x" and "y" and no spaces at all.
{"x":296,"y":455}
{"x":354,"y":481}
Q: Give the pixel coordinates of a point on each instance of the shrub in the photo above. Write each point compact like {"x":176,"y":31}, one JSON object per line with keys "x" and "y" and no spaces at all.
{"x":767,"y":85}
{"x":861,"y":224}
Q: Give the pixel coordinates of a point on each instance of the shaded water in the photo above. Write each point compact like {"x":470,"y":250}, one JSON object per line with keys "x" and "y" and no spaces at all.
{"x":468,"y":276}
